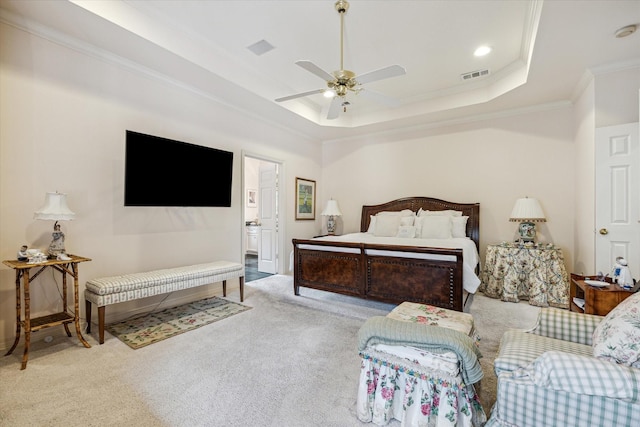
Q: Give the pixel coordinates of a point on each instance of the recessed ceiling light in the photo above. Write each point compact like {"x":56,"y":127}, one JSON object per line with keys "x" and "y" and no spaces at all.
{"x":625,"y":31}
{"x":482,"y":51}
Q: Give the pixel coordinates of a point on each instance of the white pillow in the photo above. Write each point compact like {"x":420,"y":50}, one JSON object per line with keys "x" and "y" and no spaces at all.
{"x":435,"y":226}
{"x":406,"y":231}
{"x":387,"y":226}
{"x":405,"y":212}
{"x":407,"y":220}
{"x":448,"y":212}
{"x":372,"y":224}
{"x":459,"y":226}
{"x":617,"y":336}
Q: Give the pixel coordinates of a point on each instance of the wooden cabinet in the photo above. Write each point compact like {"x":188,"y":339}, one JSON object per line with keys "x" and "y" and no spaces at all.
{"x":252,"y":239}
{"x":599,"y":301}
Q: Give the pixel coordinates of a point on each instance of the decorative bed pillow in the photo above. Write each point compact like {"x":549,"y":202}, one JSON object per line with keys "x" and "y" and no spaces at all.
{"x":404,"y":212}
{"x":372,"y":224}
{"x":459,"y":226}
{"x":406,"y":231}
{"x":617,"y":336}
{"x":386,"y":226}
{"x":407,"y":220}
{"x":448,"y":212}
{"x":434,"y":226}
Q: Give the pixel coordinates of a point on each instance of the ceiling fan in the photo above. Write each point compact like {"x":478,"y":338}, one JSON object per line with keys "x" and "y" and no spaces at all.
{"x":342,"y":82}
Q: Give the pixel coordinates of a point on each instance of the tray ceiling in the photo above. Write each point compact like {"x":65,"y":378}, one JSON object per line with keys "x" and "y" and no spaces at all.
{"x":542,"y":52}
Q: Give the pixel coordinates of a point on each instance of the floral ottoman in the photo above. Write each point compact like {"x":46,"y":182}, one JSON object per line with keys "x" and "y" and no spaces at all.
{"x":416,"y":386}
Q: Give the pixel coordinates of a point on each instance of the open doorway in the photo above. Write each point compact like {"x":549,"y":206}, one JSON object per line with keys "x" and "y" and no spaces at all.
{"x":261,"y":195}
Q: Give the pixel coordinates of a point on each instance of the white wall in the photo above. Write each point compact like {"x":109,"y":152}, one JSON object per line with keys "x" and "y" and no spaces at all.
{"x":548,"y":155}
{"x":493,"y":162}
{"x":63,"y":116}
{"x":584,"y":164}
{"x":616,"y":97}
{"x":610,"y":99}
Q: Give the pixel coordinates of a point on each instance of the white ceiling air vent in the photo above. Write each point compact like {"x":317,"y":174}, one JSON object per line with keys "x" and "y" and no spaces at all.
{"x":474,"y":74}
{"x":260,"y":47}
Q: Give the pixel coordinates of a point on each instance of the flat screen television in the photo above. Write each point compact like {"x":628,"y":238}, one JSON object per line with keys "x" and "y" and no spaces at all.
{"x":164,"y":172}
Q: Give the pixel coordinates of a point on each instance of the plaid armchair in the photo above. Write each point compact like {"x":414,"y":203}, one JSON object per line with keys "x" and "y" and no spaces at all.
{"x":548,"y":377}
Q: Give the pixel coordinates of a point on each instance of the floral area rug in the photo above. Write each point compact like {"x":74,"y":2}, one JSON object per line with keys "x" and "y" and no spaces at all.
{"x":146,"y":329}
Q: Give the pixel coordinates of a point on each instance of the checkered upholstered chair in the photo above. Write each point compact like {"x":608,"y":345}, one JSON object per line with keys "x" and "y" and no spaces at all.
{"x":549,"y":376}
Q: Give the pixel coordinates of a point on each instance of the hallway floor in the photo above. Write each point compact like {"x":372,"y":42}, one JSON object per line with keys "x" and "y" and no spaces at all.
{"x":251,"y":269}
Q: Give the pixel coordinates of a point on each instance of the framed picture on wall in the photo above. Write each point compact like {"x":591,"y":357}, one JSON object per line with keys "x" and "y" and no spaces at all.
{"x":305,"y":199}
{"x":251,"y":198}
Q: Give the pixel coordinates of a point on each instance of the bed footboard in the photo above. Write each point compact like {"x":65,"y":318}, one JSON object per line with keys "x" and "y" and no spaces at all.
{"x":383,"y":273}
{"x":326,"y":267}
{"x":431,"y":276}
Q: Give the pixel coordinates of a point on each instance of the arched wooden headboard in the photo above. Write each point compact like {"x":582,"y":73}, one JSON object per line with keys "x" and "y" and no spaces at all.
{"x":472,"y":210}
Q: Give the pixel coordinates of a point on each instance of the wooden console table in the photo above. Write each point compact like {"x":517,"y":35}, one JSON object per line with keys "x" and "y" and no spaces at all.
{"x":599,"y":301}
{"x":23,"y":269}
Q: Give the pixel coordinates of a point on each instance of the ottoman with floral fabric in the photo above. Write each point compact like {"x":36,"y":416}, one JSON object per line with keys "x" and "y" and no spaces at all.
{"x":419,"y":365}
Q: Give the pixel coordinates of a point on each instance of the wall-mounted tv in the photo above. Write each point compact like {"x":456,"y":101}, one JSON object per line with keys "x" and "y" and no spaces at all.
{"x":163,"y":172}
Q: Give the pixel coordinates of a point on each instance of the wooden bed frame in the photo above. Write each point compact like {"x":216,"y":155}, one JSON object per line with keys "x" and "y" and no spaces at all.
{"x":356,"y":269}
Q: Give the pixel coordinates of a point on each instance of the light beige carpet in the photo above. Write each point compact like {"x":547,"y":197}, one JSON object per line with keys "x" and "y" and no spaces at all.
{"x":289,"y":361}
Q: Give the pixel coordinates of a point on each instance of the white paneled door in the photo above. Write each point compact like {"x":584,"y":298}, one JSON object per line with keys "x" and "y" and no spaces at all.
{"x":617,"y":153}
{"x":268,"y":213}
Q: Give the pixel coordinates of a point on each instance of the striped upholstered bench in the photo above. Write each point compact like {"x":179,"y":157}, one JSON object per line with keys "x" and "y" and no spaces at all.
{"x":112,"y":290}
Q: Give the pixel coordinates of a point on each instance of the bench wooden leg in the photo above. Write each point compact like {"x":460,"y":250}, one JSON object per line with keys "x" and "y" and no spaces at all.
{"x":101,"y":323}
{"x":224,"y":288}
{"x":87,"y":310}
{"x":100,"y":320}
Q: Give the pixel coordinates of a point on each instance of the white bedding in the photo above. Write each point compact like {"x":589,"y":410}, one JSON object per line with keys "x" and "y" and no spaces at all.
{"x":470,"y":280}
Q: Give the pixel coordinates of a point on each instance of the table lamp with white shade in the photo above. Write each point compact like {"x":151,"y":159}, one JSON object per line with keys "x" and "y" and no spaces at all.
{"x":55,"y":208}
{"x":527,"y":211}
{"x":331,"y":210}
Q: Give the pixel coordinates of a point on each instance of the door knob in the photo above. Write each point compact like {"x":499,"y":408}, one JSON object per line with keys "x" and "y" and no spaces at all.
{"x":604,"y":231}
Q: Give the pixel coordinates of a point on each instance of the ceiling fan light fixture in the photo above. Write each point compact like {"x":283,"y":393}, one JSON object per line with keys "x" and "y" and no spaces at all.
{"x":329,"y":93}
{"x":343,"y":82}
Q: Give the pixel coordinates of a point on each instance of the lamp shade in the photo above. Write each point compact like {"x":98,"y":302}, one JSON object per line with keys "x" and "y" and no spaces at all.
{"x":55,"y":208}
{"x":527,"y":209}
{"x":332,"y":209}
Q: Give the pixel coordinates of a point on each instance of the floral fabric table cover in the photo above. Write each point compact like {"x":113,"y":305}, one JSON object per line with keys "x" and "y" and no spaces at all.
{"x":415,"y":386}
{"x":534,"y":272}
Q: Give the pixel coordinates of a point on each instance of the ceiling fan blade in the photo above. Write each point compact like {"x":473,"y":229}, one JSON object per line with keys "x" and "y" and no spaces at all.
{"x":300,"y":95}
{"x":334,"y":108}
{"x":379,"y":98}
{"x":313,"y":68}
{"x":382,"y":73}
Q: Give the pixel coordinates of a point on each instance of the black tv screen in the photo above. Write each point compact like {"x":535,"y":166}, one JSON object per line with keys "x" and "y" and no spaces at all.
{"x":164,"y":172}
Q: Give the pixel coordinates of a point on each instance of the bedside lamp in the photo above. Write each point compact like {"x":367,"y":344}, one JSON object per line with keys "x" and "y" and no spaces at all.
{"x":55,"y":208}
{"x":527,"y":211}
{"x":331,"y":210}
